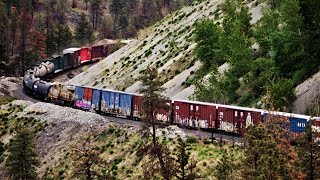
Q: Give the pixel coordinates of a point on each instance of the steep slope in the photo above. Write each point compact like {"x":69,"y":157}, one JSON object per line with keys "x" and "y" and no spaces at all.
{"x":169,"y":46}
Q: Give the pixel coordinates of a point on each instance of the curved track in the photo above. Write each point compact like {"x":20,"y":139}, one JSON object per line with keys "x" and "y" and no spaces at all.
{"x":198,"y":133}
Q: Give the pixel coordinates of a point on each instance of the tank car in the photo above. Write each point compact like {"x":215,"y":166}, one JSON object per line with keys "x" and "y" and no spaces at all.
{"x":41,"y":89}
{"x":44,"y":69}
{"x":28,"y":81}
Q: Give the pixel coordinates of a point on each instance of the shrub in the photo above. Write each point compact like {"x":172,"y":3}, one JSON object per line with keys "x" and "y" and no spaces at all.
{"x":191,"y":140}
{"x":111,"y":130}
{"x":206,"y":141}
{"x":117,"y":160}
{"x":114,"y":167}
{"x":148,"y":53}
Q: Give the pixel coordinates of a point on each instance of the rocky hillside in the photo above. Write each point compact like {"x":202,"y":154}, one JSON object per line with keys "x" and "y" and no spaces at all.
{"x":168,"y":45}
{"x":120,"y":145}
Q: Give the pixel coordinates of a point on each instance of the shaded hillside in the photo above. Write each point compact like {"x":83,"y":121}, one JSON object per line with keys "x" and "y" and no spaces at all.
{"x":168,"y":45}
{"x":32,"y":30}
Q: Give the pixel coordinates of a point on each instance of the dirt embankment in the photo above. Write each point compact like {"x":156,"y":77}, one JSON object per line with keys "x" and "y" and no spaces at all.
{"x":9,"y":86}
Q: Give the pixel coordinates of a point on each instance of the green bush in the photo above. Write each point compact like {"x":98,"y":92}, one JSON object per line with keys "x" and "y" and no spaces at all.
{"x":191,"y":140}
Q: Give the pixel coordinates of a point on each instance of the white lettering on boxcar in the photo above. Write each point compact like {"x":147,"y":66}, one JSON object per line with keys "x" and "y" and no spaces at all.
{"x":301,"y":125}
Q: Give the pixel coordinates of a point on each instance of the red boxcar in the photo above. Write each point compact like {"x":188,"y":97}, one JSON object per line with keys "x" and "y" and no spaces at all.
{"x":316,"y":129}
{"x":164,"y":114}
{"x":85,"y":54}
{"x":194,"y":114}
{"x":137,"y":106}
{"x":236,"y":119}
{"x":99,"y":52}
{"x":161,"y":114}
{"x":87,"y":98}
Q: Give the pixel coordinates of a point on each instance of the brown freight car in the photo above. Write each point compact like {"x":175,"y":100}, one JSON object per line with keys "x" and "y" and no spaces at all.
{"x":99,"y":52}
{"x":236,"y":119}
{"x":194,"y":114}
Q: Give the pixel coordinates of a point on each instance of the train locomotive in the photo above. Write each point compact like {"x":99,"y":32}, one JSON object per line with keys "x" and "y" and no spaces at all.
{"x":192,"y":114}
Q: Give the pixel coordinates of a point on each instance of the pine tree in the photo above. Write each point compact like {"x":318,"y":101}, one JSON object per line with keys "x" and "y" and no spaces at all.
{"x":186,"y":167}
{"x":96,"y":13}
{"x":4,"y":29}
{"x":84,"y":32}
{"x":268,"y":152}
{"x":152,"y":98}
{"x":182,"y":160}
{"x":226,"y":166}
{"x":86,"y":160}
{"x":22,"y":159}
{"x":163,"y":161}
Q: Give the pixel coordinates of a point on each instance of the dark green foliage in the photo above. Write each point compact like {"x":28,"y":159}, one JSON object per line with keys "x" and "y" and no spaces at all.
{"x":3,"y":39}
{"x":208,"y":49}
{"x":309,"y":153}
{"x":151,"y":89}
{"x":84,"y":33}
{"x":282,"y":94}
{"x":22,"y":159}
{"x":186,"y":167}
{"x":268,"y":153}
{"x":226,"y":166}
{"x":191,"y":140}
{"x":286,"y":35}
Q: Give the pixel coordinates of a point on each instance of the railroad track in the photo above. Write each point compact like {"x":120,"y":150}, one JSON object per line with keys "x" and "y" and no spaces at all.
{"x":123,"y":121}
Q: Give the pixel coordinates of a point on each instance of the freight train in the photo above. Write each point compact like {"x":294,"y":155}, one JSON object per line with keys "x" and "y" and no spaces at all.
{"x":193,"y":114}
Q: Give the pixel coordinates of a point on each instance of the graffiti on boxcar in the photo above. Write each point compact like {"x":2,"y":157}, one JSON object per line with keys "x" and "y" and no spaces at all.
{"x":249,"y":120}
{"x":315,"y":129}
{"x":86,"y":104}
{"x":79,"y":103}
{"x":163,"y":117}
{"x":124,"y":111}
{"x":226,"y":126}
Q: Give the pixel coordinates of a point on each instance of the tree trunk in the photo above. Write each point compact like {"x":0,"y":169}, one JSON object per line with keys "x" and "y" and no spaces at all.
{"x":153,"y":130}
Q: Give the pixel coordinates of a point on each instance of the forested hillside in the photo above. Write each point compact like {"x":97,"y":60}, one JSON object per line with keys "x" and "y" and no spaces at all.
{"x":32,"y":30}
{"x":285,"y":53}
{"x":223,"y":52}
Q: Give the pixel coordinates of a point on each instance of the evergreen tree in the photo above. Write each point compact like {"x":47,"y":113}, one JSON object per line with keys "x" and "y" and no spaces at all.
{"x":182,"y":160}
{"x":226,"y":166}
{"x":186,"y":167}
{"x":84,"y":33}
{"x":86,"y":160}
{"x":161,"y":161}
{"x":3,"y":39}
{"x":152,"y":98}
{"x":116,"y":8}
{"x":22,"y":159}
{"x":309,"y":153}
{"x":96,"y":13}
{"x":268,"y":153}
